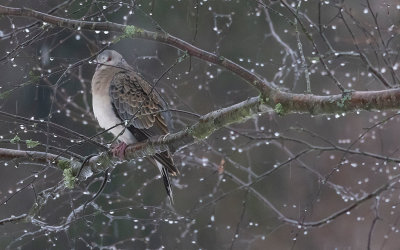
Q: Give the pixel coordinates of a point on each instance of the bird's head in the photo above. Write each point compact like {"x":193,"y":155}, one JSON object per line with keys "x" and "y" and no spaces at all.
{"x":110,"y":58}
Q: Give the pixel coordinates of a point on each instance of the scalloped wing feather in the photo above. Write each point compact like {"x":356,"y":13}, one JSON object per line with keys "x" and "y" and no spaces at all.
{"x":133,"y":97}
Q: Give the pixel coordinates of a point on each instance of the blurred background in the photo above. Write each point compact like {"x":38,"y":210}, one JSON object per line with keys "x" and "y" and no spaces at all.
{"x":247,"y":186}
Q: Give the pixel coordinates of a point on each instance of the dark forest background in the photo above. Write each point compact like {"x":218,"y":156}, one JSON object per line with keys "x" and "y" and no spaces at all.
{"x":249,"y":185}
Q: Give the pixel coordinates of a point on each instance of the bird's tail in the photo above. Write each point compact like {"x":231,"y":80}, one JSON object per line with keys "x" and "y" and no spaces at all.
{"x":167,"y":183}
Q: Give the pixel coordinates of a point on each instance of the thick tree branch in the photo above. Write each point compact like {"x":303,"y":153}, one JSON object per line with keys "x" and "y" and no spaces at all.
{"x":240,"y":112}
{"x":206,"y":125}
{"x":283,"y":102}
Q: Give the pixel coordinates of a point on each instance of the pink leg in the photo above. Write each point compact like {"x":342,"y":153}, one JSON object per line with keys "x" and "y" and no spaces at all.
{"x":119,"y":150}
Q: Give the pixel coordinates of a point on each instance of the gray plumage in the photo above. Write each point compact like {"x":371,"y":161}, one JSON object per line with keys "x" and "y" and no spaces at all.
{"x":119,"y":95}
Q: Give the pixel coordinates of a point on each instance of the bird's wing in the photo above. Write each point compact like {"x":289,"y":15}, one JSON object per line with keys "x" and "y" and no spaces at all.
{"x":135,"y":100}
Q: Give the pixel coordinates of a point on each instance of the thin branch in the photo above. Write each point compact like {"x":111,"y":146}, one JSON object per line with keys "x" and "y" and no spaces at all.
{"x":11,"y":154}
{"x":135,"y":32}
{"x":102,"y":161}
{"x":356,"y":204}
{"x":13,"y":219}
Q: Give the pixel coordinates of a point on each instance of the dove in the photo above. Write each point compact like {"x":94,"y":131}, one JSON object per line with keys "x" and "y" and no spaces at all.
{"x":129,"y":107}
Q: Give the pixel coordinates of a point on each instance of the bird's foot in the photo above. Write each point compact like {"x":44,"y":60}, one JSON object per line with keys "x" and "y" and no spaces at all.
{"x":119,"y":150}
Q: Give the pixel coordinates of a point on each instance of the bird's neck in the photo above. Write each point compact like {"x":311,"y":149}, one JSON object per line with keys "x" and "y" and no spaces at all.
{"x":102,"y":78}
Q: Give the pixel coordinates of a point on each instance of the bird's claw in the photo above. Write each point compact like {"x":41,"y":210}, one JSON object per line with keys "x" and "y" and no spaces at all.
{"x":119,"y":150}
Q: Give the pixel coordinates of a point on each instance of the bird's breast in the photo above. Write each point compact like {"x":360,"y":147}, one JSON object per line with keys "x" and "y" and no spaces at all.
{"x":106,"y":116}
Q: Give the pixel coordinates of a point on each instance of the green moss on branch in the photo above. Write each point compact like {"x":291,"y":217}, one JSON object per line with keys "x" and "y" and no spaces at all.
{"x":69,"y":178}
{"x":63,"y":164}
{"x":279,"y":109}
{"x":129,"y":32}
{"x":215,"y":120}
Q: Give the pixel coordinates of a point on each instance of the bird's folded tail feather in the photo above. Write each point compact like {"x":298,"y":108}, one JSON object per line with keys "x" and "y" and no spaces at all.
{"x":166,"y":180}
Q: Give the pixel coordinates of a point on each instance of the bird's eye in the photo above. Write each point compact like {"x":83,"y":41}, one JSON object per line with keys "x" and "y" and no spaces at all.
{"x":109,"y":59}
